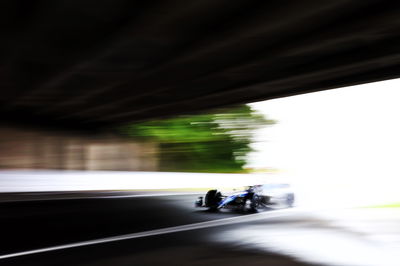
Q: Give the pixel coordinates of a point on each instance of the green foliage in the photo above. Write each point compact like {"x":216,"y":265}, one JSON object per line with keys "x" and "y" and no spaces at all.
{"x":216,"y":142}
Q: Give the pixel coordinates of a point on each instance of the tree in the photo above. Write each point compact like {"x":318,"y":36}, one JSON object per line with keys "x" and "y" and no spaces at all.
{"x":213,"y":142}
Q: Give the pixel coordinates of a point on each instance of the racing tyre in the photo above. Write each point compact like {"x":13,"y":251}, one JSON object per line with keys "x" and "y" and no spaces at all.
{"x":254,"y":203}
{"x":212,"y":199}
{"x":290,"y":200}
{"x":251,"y":204}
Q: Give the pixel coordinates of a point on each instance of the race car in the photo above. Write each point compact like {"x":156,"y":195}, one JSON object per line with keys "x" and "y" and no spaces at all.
{"x":252,"y":199}
{"x":276,"y":194}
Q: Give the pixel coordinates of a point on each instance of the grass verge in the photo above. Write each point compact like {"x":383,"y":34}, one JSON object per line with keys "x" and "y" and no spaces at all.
{"x":391,"y":205}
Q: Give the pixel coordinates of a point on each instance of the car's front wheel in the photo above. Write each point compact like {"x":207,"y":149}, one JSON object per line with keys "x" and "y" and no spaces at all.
{"x":212,"y":199}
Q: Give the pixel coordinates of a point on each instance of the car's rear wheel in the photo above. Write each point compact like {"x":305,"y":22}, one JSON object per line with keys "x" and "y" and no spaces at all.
{"x":254,"y":203}
{"x":251,"y":204}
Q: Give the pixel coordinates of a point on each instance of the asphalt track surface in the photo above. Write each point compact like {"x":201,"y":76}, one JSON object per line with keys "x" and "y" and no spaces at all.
{"x":38,"y":224}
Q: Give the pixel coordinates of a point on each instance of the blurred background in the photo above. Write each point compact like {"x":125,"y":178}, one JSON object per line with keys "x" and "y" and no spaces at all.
{"x":214,"y":142}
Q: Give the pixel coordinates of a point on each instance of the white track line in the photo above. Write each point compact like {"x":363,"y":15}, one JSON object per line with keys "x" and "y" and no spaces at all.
{"x":168,"y":230}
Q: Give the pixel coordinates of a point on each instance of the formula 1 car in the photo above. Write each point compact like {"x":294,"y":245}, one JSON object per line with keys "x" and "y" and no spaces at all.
{"x":252,"y":199}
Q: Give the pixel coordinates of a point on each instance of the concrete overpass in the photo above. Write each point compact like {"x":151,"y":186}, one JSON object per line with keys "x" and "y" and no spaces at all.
{"x":95,"y":64}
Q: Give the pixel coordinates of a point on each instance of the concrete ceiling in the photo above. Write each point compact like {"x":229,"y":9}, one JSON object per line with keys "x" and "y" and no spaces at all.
{"x":95,"y":64}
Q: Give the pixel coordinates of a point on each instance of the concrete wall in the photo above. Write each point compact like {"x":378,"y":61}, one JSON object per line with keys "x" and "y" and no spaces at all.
{"x":36,"y":149}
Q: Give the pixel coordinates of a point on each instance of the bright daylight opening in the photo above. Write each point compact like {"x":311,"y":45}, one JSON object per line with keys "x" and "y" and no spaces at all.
{"x":341,"y":146}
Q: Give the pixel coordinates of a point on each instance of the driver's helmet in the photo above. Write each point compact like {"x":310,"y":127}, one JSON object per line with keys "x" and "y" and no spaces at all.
{"x":255,"y":188}
{"x":250,"y":189}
